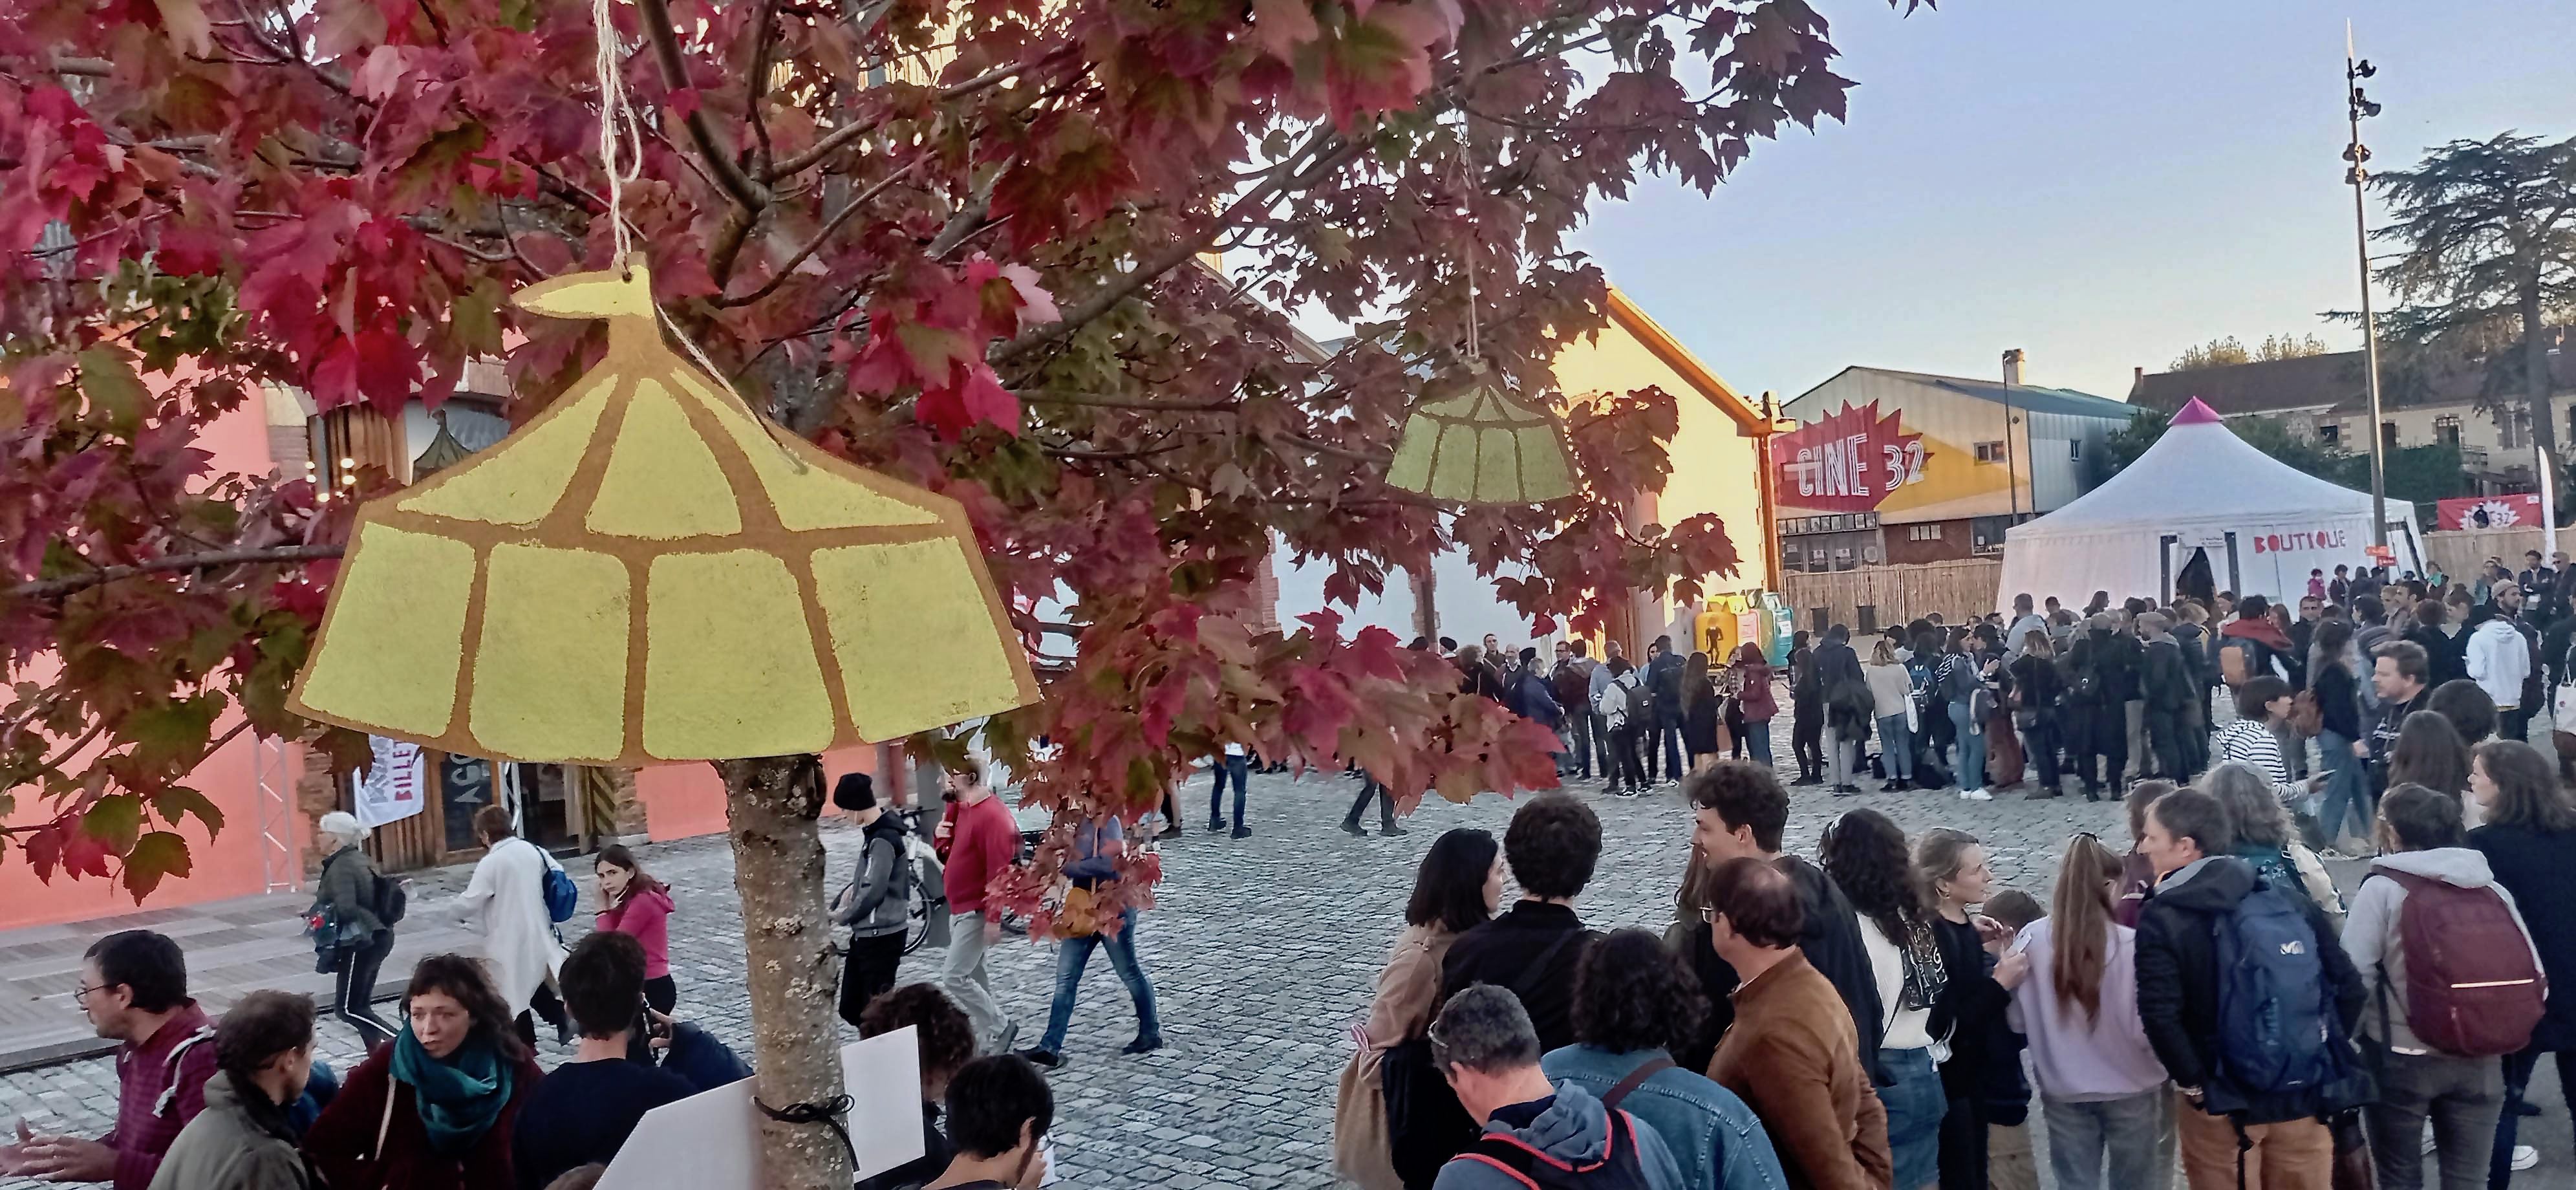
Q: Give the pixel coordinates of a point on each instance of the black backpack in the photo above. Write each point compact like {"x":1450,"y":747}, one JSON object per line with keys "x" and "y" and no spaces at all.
{"x":390,"y":899}
{"x":1618,"y":1169}
{"x":1425,"y":1126}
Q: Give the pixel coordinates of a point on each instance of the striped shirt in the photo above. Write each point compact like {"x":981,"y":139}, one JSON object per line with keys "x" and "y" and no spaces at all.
{"x":2251,"y":742}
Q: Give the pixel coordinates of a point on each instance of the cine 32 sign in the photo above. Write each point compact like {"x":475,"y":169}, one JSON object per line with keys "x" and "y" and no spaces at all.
{"x":1848,"y":462}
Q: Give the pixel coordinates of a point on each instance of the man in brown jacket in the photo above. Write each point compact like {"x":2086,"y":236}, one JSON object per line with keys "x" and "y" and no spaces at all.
{"x":1792,"y":1052}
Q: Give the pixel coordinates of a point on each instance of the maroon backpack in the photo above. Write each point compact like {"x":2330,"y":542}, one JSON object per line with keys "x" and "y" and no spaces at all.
{"x":2472,"y":987}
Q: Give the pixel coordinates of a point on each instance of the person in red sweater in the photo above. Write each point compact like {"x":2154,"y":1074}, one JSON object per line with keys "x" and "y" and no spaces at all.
{"x":983,"y":842}
{"x":638,"y":904}
{"x":134,"y":986}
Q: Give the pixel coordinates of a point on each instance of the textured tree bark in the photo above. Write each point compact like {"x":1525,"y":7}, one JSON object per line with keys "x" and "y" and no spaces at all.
{"x":772,"y":803}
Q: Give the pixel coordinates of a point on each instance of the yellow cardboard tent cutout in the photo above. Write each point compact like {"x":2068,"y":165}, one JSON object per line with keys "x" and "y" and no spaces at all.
{"x":644,"y":573}
{"x":1481,"y":447}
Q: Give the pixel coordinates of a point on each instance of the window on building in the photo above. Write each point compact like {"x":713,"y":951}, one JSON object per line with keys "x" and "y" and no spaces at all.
{"x":1990,"y":452}
{"x":1930,"y":532}
{"x":2446,"y":429}
{"x":2388,"y":435}
{"x":2075,"y":450}
{"x":2509,"y":428}
{"x":2330,"y":432}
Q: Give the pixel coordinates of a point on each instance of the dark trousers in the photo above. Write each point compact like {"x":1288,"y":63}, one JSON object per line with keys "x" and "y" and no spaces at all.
{"x":1227,"y":768}
{"x":1664,"y":740}
{"x":2106,"y":746}
{"x":2461,"y":1096}
{"x":544,"y":1005}
{"x":1963,"y":1145}
{"x":1735,"y":728}
{"x":1807,"y":738}
{"x":1627,"y":770}
{"x":2040,"y":743}
{"x":1385,"y":803}
{"x":2514,"y":724}
{"x":2165,"y":733}
{"x":868,"y":972}
{"x":355,"y":985}
{"x":2517,"y":1079}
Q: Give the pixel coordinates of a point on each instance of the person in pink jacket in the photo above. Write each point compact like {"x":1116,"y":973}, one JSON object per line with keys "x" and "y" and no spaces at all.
{"x":638,"y":904}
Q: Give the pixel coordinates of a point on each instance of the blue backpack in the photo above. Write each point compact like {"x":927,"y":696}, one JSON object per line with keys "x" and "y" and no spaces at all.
{"x":2276,"y":1026}
{"x":563,"y":898}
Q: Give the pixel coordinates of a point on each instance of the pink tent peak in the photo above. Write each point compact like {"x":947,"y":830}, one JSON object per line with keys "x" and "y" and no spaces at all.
{"x":2196,"y":413}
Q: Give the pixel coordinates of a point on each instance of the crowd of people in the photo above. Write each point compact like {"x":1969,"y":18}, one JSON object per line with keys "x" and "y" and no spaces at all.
{"x":1883,"y":1015}
{"x":450,"y":1096}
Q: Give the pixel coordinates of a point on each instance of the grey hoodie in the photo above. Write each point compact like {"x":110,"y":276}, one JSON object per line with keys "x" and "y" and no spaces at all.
{"x":2370,"y":933}
{"x":1574,"y":1129}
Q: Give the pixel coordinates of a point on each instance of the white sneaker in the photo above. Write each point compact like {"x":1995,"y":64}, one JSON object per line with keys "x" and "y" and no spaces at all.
{"x":2525,"y":1157}
{"x":1976,"y":795}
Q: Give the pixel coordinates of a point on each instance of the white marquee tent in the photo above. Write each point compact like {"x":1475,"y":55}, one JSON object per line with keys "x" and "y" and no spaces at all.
{"x":2199,"y":495}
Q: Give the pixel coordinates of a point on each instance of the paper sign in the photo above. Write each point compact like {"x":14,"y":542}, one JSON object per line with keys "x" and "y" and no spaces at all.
{"x":393,"y":787}
{"x":711,"y":1140}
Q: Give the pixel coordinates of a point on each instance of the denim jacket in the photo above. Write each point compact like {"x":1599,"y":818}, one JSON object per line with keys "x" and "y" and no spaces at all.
{"x":1715,"y":1138}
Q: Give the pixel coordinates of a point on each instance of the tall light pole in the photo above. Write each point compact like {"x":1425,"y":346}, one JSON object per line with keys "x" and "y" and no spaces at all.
{"x":2357,"y":105}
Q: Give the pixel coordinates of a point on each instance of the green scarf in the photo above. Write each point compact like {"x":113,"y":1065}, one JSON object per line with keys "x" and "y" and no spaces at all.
{"x":460,"y":1096}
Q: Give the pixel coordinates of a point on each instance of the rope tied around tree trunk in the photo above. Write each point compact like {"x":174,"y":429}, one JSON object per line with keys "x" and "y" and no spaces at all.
{"x":829,"y":1112}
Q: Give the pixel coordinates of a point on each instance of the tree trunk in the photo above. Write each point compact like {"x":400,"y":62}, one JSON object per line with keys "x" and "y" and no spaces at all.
{"x":772,"y":803}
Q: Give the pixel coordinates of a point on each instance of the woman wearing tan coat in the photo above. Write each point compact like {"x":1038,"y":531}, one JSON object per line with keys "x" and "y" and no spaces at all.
{"x":1459,"y":887}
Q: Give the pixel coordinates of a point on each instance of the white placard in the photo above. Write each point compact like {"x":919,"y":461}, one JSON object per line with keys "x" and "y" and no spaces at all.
{"x":394,"y":787}
{"x":711,"y":1140}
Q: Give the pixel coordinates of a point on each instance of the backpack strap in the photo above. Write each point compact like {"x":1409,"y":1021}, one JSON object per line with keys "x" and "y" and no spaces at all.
{"x":170,"y":1068}
{"x":385,"y":1125}
{"x":1517,"y":1160}
{"x":1636,"y":1078}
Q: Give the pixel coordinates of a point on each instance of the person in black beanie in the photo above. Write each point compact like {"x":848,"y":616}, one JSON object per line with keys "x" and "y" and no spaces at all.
{"x":877,"y":903}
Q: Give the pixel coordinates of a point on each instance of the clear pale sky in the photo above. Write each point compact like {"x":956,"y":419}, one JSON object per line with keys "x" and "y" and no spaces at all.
{"x":2101,"y":184}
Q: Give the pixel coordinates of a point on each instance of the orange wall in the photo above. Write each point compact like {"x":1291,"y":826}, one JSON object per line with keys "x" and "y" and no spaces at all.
{"x":681,"y":800}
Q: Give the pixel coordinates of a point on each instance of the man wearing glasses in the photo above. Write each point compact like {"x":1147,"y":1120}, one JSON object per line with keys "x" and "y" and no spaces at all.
{"x":134,"y":986}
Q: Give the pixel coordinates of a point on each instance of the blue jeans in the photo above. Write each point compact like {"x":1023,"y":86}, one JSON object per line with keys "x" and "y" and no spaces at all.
{"x":1757,"y":736}
{"x":1896,"y":747}
{"x":2347,"y":788}
{"x":1972,"y":757}
{"x":2110,"y":1144}
{"x":1070,"y":958}
{"x":1915,"y":1104}
{"x":1233,"y":767}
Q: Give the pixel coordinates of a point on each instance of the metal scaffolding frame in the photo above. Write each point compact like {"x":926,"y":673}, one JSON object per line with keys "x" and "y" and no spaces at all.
{"x":280,"y":868}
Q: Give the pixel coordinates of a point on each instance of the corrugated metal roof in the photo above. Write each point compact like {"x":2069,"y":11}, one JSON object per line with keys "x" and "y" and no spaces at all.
{"x":2033,"y":397}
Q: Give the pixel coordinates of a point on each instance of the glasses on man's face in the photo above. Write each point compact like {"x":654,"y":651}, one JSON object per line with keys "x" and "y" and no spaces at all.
{"x":80,"y":995}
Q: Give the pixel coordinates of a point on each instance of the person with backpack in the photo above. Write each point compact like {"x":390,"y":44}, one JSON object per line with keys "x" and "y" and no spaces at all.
{"x":1488,"y":1052}
{"x":876,"y":905}
{"x":506,"y":903}
{"x":353,"y":899}
{"x":1097,"y":845}
{"x":2455,"y":981}
{"x":1663,"y":735}
{"x":2248,"y":1004}
{"x":2263,"y":837}
{"x":1848,"y":706}
{"x":2529,"y":841}
{"x":1634,"y":1003}
{"x":2101,"y":677}
{"x":1963,"y":696}
{"x":1621,"y":703}
{"x":134,"y":989}
{"x":2252,"y":645}
{"x":1806,"y":712}
{"x":2165,"y":687}
{"x":1572,"y":678}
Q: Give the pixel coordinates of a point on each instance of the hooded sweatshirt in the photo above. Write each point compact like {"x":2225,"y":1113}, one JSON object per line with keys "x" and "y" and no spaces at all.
{"x":2499,"y":659}
{"x":1570,"y":1128}
{"x":645,"y":913}
{"x":2371,"y":934}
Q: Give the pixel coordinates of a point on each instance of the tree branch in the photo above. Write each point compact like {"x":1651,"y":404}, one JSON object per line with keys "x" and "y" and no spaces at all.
{"x":744,"y":192}
{"x":765,"y":40}
{"x":831,"y":225}
{"x":55,"y":588}
{"x":1329,"y":156}
{"x":843,"y":135}
{"x":1055,"y":397}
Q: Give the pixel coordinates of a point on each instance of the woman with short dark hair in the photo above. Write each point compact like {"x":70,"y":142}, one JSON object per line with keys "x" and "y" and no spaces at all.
{"x":1634,"y":1002}
{"x":1458,"y":887}
{"x":434,"y":1109}
{"x":242,"y":1139}
{"x":946,"y":1039}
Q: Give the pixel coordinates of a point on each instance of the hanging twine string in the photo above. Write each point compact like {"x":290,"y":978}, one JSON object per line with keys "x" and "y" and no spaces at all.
{"x":1466,"y":171}
{"x":617,"y":124}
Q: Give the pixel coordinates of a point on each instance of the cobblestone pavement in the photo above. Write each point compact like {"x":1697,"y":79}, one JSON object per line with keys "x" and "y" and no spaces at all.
{"x":1262,"y":953}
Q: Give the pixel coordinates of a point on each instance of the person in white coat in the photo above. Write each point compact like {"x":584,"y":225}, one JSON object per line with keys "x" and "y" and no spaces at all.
{"x":2499,"y":659}
{"x":505,"y":904}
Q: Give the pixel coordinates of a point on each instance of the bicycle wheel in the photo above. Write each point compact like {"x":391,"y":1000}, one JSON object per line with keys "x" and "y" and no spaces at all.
{"x":916,"y":913}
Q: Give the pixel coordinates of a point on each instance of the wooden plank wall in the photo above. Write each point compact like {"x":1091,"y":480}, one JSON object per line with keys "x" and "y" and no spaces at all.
{"x":2459,"y":552}
{"x":1957,"y":590}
